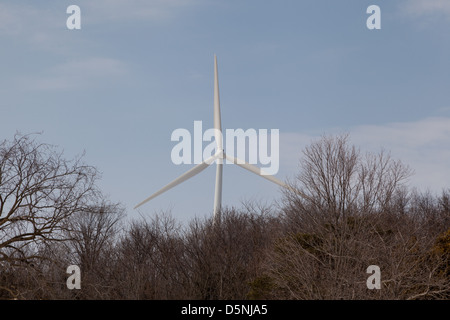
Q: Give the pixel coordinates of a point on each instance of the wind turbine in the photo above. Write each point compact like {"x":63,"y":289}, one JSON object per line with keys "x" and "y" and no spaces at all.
{"x":220,"y":155}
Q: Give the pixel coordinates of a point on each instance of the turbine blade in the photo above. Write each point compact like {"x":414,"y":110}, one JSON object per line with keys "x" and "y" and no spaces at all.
{"x":255,"y":170}
{"x":185,"y":176}
{"x":261,"y":173}
{"x":217,"y":118}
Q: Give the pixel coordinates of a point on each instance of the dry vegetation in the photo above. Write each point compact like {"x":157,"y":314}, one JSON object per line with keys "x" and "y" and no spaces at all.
{"x":358,"y":211}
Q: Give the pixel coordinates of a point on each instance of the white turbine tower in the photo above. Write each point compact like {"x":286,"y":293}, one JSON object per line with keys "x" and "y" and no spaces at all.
{"x":219,"y":156}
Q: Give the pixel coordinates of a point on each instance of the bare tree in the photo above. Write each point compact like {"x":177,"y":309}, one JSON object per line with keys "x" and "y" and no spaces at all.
{"x":225,"y":258}
{"x":93,"y":235}
{"x":39,"y":190}
{"x":150,"y":259}
{"x":357,"y":213}
{"x":339,"y":181}
{"x":91,"y":232}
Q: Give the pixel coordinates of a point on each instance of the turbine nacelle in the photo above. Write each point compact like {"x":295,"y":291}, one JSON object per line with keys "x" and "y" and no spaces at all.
{"x":220,"y":154}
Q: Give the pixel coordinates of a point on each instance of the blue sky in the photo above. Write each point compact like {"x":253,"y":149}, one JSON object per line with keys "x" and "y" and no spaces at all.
{"x":137,"y":70}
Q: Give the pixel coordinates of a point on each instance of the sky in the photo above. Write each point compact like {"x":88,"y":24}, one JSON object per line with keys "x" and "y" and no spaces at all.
{"x":137,"y":70}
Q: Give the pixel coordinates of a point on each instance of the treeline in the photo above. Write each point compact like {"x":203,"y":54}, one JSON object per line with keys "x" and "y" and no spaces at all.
{"x":344,"y":212}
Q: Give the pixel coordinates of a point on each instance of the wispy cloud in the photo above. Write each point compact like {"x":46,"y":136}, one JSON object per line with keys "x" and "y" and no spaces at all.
{"x":41,"y":24}
{"x":39,"y":27}
{"x":120,"y":10}
{"x":427,"y":7}
{"x":76,"y":74}
{"x":17,"y":18}
{"x":423,"y":145}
